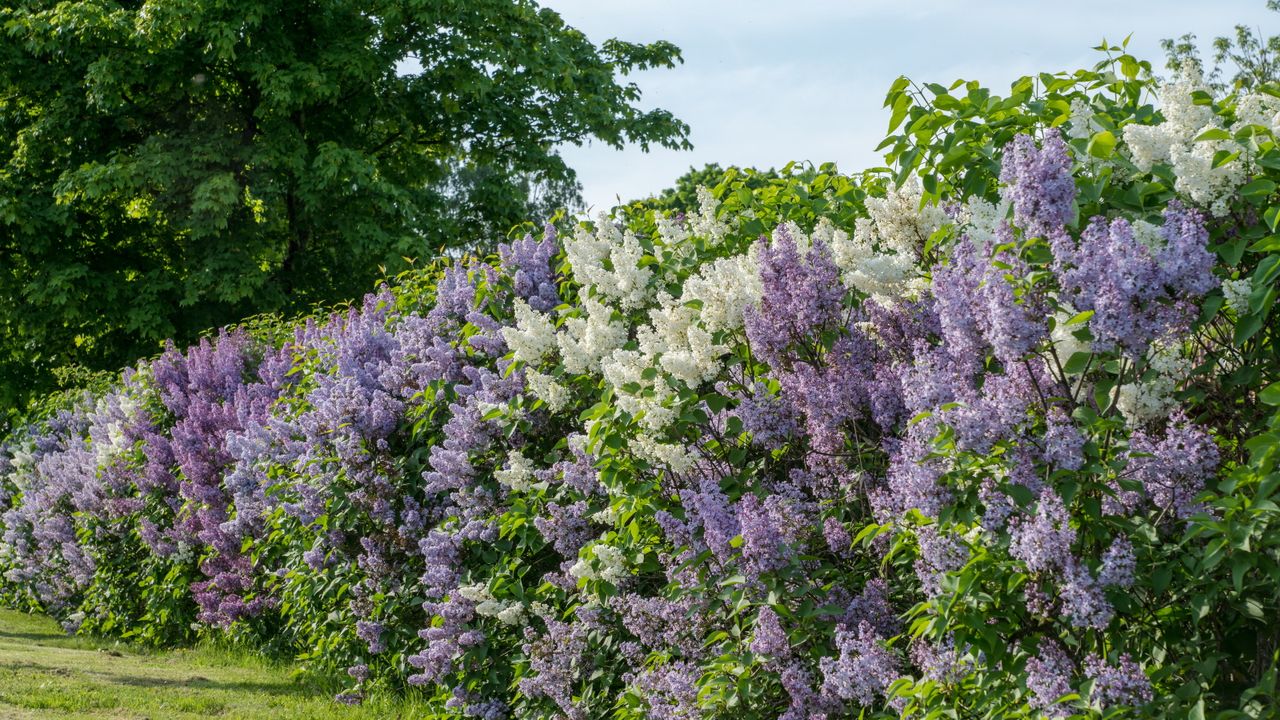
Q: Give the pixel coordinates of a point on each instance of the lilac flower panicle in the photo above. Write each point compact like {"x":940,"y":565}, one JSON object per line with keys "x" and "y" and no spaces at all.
{"x":1038,"y":182}
{"x":872,"y":607}
{"x":863,"y":669}
{"x":1049,"y":676}
{"x":802,"y":293}
{"x":1118,"y":564}
{"x":1044,"y":542}
{"x":1185,"y":262}
{"x":762,"y":549}
{"x":1173,"y":469}
{"x":1122,"y":684}
{"x":940,"y":661}
{"x":837,"y":536}
{"x":1013,"y":322}
{"x":671,"y":690}
{"x":1083,"y":599}
{"x":940,"y":553}
{"x":557,"y":660}
{"x":1137,"y":294}
{"x":770,"y":420}
{"x":770,"y":639}
{"x":529,"y":262}
{"x":1063,"y":443}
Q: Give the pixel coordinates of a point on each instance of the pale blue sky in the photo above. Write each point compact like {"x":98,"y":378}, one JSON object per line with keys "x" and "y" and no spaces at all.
{"x":764,"y":82}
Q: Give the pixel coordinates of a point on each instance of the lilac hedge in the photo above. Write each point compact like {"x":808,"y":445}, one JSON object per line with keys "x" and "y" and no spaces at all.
{"x":985,"y":435}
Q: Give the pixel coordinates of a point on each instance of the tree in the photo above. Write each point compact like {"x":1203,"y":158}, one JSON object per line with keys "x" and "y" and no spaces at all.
{"x":683,"y":196}
{"x":167,"y":167}
{"x":1255,"y":57}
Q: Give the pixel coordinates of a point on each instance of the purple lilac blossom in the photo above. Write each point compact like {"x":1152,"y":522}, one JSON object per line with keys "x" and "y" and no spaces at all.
{"x":863,"y":669}
{"x":1044,"y":541}
{"x":1137,"y":294}
{"x":1173,"y":468}
{"x":769,"y":639}
{"x":1118,"y":564}
{"x":1121,"y":684}
{"x":1038,"y":182}
{"x":1049,"y":674}
{"x":802,"y":294}
{"x":1063,"y":443}
{"x":558,"y":660}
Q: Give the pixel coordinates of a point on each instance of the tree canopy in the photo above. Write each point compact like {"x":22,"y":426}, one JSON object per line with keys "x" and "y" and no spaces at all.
{"x":166,"y":167}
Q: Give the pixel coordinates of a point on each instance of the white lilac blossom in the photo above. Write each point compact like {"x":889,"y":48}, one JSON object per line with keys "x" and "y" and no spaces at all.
{"x":534,"y":336}
{"x":1184,"y":119}
{"x":978,"y":219}
{"x":1152,"y":396}
{"x":1257,"y":108}
{"x":627,"y":282}
{"x":1175,"y":141}
{"x":545,"y":388}
{"x":517,"y":474}
{"x":610,"y":565}
{"x":1237,"y":294}
{"x":900,"y":222}
{"x":585,"y":341}
{"x":723,"y":290}
{"x":645,"y":395}
{"x":1082,"y":125}
{"x":676,"y":342}
{"x":879,"y":259}
{"x":706,"y":223}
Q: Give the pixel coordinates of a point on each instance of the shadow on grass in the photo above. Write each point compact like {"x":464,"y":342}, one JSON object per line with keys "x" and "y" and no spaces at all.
{"x":36,"y":668}
{"x":33,"y":636}
{"x":282,"y":689}
{"x":194,"y":682}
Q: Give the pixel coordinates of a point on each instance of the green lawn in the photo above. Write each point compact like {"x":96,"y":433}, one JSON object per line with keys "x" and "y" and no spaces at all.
{"x":46,"y":674}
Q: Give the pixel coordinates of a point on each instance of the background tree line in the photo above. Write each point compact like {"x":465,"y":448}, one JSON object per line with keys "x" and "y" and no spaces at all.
{"x":168,"y":167}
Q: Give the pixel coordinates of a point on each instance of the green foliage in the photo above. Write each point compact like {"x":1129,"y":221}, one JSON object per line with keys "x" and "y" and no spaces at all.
{"x":167,"y":168}
{"x":683,"y":196}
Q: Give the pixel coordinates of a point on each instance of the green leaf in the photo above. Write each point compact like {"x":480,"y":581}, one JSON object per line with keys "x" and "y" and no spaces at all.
{"x":1272,"y":217}
{"x":1160,"y":578}
{"x":1271,"y":395}
{"x":1129,"y":65}
{"x":1246,"y":329}
{"x":901,"y":105}
{"x":1261,"y":187}
{"x":1102,"y":144}
{"x":1080,"y":317}
{"x":1213,"y":134}
{"x":1077,"y":363}
{"x":1222,"y":157}
{"x":1239,"y":566}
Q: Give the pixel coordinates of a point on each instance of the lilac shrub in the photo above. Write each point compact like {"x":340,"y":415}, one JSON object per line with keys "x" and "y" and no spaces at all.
{"x":799,"y":455}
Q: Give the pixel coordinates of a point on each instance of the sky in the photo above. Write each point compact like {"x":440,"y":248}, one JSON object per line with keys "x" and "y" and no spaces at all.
{"x":767,"y":82}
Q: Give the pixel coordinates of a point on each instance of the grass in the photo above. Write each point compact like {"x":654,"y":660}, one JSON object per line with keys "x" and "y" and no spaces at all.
{"x":46,"y":674}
